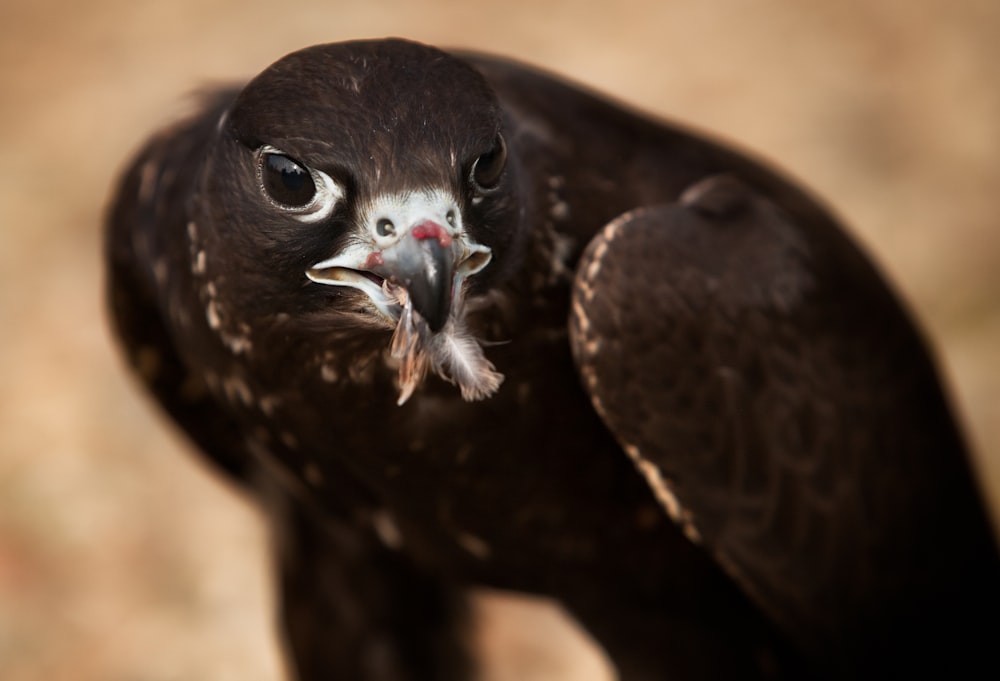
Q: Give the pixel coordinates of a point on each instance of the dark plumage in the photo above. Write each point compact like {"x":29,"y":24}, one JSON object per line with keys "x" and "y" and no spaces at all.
{"x":453,"y":321}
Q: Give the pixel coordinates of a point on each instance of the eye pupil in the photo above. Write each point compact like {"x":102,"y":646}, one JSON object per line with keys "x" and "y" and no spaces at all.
{"x":287,"y":182}
{"x":489,"y":167}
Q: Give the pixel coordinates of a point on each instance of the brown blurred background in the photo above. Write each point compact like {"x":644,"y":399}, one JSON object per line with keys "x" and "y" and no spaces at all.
{"x":121,"y":559}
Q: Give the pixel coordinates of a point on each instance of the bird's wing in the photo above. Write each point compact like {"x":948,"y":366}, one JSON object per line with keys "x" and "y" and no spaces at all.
{"x":779,"y":404}
{"x":144,"y":218}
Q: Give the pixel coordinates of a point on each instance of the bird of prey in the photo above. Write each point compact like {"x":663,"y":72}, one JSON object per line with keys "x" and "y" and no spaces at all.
{"x":453,"y":321}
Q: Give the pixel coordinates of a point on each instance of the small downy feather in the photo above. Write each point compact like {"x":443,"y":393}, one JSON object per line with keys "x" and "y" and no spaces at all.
{"x":407,"y":344}
{"x":457,"y":357}
{"x":408,"y":347}
{"x":453,"y":353}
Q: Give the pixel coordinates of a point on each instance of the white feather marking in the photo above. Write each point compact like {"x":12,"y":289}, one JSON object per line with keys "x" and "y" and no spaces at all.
{"x":663,"y":490}
{"x":474,"y":545}
{"x":212,"y":315}
{"x":387,"y":529}
{"x":580,"y":315}
{"x":594,"y":267}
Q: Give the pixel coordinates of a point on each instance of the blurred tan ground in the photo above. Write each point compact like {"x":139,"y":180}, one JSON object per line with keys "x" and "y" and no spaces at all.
{"x":120,"y":559}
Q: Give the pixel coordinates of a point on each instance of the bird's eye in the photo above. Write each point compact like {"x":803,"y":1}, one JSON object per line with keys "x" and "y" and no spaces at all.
{"x":488,"y":168}
{"x":286,"y":181}
{"x":308,"y":194}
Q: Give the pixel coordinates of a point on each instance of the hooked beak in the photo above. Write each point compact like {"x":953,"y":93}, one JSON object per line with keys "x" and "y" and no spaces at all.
{"x":415,"y":243}
{"x":423,"y":263}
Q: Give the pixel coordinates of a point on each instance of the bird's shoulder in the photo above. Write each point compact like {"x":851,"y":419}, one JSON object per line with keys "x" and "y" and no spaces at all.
{"x":142,"y":252}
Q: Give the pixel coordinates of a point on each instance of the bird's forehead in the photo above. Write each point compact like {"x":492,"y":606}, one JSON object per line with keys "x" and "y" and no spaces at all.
{"x":376,"y":100}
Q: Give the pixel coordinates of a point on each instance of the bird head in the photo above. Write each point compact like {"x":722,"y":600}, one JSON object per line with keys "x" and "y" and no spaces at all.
{"x":366,"y":186}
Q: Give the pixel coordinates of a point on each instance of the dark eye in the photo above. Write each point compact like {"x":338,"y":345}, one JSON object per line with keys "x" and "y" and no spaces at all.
{"x":488,"y":168}
{"x":286,"y":181}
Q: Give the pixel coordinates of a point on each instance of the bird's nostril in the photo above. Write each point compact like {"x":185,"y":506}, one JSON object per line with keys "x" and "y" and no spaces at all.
{"x":384,"y":227}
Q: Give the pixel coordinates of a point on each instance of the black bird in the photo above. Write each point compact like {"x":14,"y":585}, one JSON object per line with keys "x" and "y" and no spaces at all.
{"x":453,"y":322}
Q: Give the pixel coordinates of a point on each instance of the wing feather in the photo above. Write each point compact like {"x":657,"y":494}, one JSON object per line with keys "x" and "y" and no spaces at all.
{"x":785,"y":411}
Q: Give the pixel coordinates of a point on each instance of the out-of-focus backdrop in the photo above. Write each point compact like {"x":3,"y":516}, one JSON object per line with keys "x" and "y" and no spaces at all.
{"x":122,"y":559}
